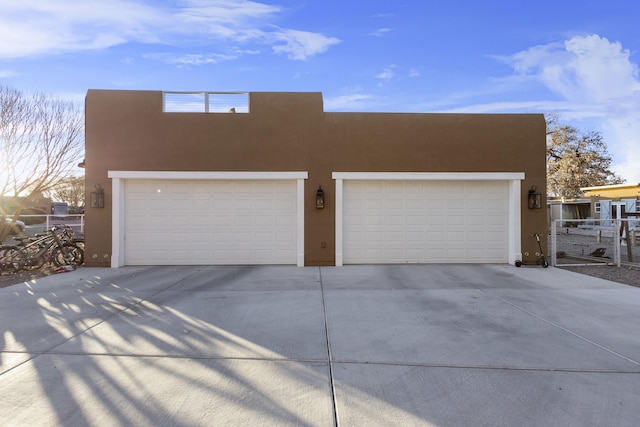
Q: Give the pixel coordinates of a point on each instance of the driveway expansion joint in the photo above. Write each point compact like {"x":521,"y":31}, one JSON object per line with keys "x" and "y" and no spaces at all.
{"x":562,"y":328}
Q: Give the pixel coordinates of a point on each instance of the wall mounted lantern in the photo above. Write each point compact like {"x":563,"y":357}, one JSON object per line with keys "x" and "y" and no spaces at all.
{"x":82,"y":164}
{"x":535,"y":198}
{"x":320,"y":198}
{"x":97,"y":197}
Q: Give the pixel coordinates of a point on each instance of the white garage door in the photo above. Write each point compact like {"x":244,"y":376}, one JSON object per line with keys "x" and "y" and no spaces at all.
{"x":202,"y":222}
{"x":425,"y":221}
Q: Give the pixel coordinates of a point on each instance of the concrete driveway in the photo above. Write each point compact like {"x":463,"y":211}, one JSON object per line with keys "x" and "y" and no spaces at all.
{"x":439,"y":345}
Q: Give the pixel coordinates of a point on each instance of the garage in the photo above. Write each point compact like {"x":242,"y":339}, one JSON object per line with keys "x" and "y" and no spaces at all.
{"x":208,"y":218}
{"x":427,"y":217}
{"x":358,"y":187}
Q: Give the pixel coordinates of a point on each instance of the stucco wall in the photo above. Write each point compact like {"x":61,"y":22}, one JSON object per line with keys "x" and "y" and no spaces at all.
{"x":614,"y":192}
{"x":127,"y":130}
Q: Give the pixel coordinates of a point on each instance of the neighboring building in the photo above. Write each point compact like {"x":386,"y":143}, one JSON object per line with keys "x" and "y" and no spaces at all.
{"x":614,"y":201}
{"x":234,"y":179}
{"x":569,"y":210}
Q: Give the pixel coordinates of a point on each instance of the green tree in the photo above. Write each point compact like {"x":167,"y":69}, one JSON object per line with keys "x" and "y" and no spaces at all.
{"x":576,"y":159}
{"x":41,"y":141}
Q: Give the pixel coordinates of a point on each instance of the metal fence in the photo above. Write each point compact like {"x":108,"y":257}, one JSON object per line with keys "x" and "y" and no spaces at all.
{"x":206,"y":102}
{"x":41,"y":223}
{"x":595,"y":242}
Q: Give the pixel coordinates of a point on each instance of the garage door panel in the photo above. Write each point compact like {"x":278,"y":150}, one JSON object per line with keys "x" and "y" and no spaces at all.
{"x":455,"y":255}
{"x":456,"y":220}
{"x":267,"y":204}
{"x":393,"y":220}
{"x":494,"y":239}
{"x":457,"y":203}
{"x":455,"y":237}
{"x":416,"y":255}
{"x":415,"y":238}
{"x":476,"y":236}
{"x":200,"y":220}
{"x":282,"y":218}
{"x":395,"y":237}
{"x":210,"y":222}
{"x":415,"y":221}
{"x":434,"y":238}
{"x":374,"y":222}
{"x":264,"y":221}
{"x":434,"y":204}
{"x":422,"y":221}
{"x":396,"y":204}
{"x":477,"y":220}
{"x":495,"y":220}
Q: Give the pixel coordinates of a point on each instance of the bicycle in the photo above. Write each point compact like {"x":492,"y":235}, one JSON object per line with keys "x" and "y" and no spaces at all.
{"x":52,"y":247}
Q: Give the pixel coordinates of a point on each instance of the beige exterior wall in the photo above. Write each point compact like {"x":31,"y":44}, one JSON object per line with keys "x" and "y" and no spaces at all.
{"x":128,"y":131}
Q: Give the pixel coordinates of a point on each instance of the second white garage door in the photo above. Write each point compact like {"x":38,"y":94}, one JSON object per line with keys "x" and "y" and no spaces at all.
{"x":196,"y":222}
{"x":425,"y":222}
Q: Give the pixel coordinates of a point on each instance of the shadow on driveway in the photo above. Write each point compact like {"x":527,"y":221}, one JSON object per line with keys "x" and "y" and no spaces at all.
{"x":358,"y":345}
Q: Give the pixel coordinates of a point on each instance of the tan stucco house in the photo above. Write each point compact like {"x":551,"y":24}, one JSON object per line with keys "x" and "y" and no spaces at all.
{"x":271,"y":178}
{"x":614,"y":201}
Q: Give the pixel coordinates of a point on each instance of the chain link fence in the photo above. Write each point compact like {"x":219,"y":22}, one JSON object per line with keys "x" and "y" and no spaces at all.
{"x":595,"y":242}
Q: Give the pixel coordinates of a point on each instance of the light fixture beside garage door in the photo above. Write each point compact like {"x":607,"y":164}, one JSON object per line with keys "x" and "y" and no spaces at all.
{"x":535,"y":198}
{"x":97,"y":197}
{"x":320,"y":198}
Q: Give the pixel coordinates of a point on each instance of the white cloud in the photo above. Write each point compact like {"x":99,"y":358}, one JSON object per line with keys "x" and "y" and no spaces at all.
{"x":380,"y":32}
{"x":386,"y":74}
{"x":39,"y":27}
{"x":587,"y":68}
{"x":185,"y":60}
{"x":302,"y":45}
{"x":42,"y":27}
{"x":598,"y":82}
{"x":346,"y":102}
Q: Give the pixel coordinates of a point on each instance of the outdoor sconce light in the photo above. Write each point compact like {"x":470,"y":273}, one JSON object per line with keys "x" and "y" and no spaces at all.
{"x":82,"y":164}
{"x":320,"y":198}
{"x":535,"y":198}
{"x":97,"y":197}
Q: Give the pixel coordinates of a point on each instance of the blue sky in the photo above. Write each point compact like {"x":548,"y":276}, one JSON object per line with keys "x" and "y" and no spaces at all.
{"x":577,"y":59}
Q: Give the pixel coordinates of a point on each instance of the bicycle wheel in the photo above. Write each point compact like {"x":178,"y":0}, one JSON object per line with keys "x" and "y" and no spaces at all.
{"x":27,"y":258}
{"x":72,"y":255}
{"x":78,"y":242}
{"x":7,"y":254}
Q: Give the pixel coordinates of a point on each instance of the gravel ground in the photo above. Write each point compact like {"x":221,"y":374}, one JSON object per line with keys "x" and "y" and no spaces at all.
{"x":625,"y":275}
{"x":577,"y":244}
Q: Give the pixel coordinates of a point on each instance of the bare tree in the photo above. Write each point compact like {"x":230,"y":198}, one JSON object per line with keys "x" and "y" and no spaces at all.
{"x":71,"y":191}
{"x":40,"y":144}
{"x":575,"y":160}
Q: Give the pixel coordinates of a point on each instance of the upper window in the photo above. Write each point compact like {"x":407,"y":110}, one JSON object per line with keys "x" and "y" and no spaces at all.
{"x":206,"y":102}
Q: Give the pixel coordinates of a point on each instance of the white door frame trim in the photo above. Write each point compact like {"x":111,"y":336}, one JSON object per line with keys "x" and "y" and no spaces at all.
{"x":118,"y":188}
{"x":513,"y":178}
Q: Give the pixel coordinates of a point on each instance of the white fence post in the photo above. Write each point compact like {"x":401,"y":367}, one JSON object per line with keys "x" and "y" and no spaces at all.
{"x":554,"y":242}
{"x":616,"y":241}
